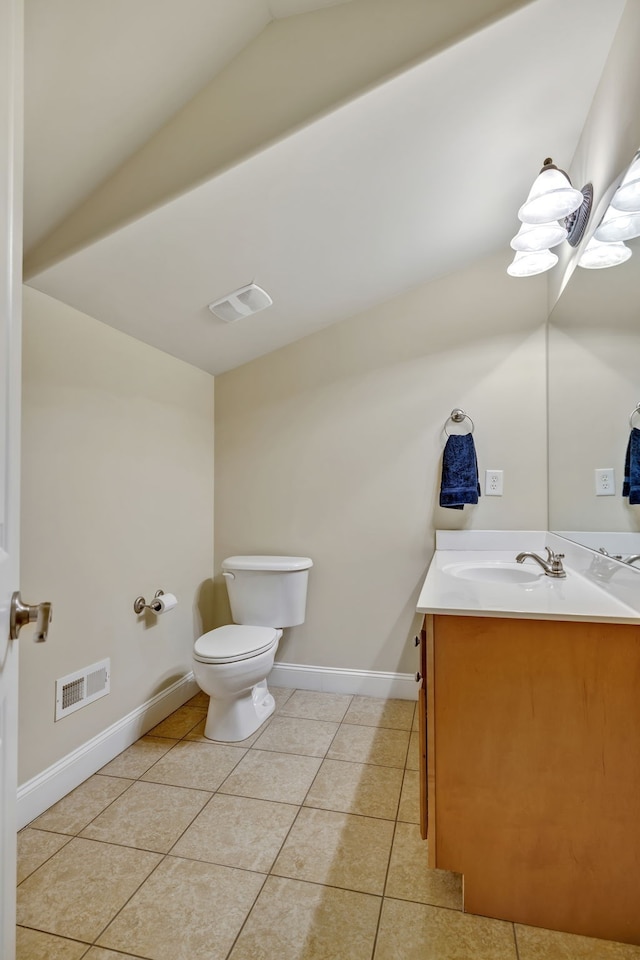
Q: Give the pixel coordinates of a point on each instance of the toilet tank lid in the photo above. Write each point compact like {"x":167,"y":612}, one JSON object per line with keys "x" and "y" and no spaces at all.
{"x":267,"y":563}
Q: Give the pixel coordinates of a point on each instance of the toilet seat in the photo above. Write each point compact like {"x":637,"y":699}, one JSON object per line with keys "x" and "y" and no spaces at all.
{"x":234,"y":642}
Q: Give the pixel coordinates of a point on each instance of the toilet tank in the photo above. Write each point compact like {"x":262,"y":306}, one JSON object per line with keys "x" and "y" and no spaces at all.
{"x":267,"y":591}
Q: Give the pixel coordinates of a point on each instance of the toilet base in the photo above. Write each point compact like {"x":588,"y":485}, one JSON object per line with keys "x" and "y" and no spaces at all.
{"x":236,"y":718}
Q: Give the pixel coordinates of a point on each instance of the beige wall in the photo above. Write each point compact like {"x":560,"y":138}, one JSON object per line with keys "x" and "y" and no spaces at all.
{"x":331,"y":447}
{"x":594,"y":357}
{"x":593,"y":388}
{"x":116,"y":501}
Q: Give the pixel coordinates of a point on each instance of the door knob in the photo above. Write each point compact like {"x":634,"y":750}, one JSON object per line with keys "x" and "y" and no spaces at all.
{"x":22,"y":613}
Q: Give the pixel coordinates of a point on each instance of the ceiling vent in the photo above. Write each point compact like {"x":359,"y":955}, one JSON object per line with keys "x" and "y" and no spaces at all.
{"x":241,"y":303}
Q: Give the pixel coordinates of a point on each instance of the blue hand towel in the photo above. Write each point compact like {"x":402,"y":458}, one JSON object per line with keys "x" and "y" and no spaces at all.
{"x":631,"y":484}
{"x":460,"y":472}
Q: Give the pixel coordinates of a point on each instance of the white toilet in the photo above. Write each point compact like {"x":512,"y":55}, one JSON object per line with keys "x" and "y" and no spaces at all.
{"x":232,"y":663}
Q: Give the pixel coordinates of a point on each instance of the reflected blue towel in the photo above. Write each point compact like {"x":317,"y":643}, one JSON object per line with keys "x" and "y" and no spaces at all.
{"x":459,"y":472}
{"x":631,"y":484}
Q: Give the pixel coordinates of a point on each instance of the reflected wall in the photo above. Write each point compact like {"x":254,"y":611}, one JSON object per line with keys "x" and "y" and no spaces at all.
{"x":593,"y":387}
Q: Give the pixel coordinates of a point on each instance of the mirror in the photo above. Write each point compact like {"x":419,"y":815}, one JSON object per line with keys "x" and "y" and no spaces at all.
{"x":593,"y":389}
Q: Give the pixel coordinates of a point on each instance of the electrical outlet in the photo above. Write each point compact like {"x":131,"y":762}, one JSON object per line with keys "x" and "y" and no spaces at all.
{"x":605,"y":482}
{"x":493,"y":483}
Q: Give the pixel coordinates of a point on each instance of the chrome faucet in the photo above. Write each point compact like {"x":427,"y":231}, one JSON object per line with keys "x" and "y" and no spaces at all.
{"x":618,"y":556}
{"x":614,"y":556}
{"x":552,"y":566}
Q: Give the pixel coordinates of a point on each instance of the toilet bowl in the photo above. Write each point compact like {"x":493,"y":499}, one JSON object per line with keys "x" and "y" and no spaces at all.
{"x":232,"y":663}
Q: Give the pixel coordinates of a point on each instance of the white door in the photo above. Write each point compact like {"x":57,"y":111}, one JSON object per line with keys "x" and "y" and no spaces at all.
{"x":10,"y":293}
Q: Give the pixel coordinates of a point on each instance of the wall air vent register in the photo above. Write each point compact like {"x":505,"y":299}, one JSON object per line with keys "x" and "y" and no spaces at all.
{"x":82,"y":687}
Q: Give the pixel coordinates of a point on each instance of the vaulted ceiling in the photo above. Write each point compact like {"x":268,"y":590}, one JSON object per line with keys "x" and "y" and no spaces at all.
{"x":335,"y":154}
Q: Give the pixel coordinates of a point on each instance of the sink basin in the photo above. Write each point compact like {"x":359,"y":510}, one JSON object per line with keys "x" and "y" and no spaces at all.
{"x":494,"y":571}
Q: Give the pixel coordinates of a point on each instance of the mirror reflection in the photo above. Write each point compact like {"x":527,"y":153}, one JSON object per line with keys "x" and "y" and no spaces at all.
{"x":594,"y":392}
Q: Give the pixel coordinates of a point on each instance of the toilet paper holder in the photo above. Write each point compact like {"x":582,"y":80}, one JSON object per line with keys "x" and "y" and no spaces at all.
{"x":140,"y":604}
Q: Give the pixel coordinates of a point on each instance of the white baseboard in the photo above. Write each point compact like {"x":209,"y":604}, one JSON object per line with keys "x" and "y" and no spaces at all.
{"x":38,"y":794}
{"x":46,"y":788}
{"x":366,"y":683}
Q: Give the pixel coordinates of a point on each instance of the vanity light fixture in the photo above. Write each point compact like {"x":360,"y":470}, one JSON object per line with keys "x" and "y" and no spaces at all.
{"x":618,"y":225}
{"x":551,"y":196}
{"x":554,"y":211}
{"x":627,"y":196}
{"x":598,"y":255}
{"x":528,"y":264}
{"x":539,"y":236}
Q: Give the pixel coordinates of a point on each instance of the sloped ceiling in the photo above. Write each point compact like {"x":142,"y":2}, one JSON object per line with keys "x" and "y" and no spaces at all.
{"x":392,"y":184}
{"x":102,"y":76}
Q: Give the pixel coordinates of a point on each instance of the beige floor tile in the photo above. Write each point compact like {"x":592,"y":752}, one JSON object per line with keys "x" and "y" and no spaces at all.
{"x":281,"y":695}
{"x":413,"y":754}
{"x":179,"y":723}
{"x":202,"y":766}
{"x":416,"y":721}
{"x":372,"y":712}
{"x":537,"y":944}
{"x":413,"y":931}
{"x":272,"y":776}
{"x":379,"y":745}
{"x":77,"y":891}
{"x":187,"y":910}
{"x":198,"y":734}
{"x":35,"y":847}
{"x":338,"y":849}
{"x":199,"y":700}
{"x":149,"y":816}
{"x":410,"y":878}
{"x":99,"y":953}
{"x":237,"y":832}
{"x":34,"y":945}
{"x":356,"y":788}
{"x":293,"y":920}
{"x":316,"y":706}
{"x":78,"y":808}
{"x":136,"y":759}
{"x":409,"y":809}
{"x":310,"y":738}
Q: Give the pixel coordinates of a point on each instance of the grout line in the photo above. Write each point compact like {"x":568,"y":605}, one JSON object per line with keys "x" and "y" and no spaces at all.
{"x":515,"y":941}
{"x":164,"y":856}
{"x":31,"y":872}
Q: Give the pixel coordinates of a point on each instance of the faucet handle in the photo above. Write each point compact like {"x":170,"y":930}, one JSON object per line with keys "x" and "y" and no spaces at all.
{"x":551,"y":556}
{"x":555,"y":560}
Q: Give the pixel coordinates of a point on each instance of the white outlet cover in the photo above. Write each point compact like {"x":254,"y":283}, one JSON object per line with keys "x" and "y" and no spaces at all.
{"x":493,"y":483}
{"x":605,"y":479}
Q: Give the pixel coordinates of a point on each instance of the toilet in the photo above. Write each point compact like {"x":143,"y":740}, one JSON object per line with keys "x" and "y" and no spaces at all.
{"x":231,"y":663}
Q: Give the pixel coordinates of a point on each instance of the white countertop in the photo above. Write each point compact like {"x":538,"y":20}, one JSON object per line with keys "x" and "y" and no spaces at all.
{"x":575,"y":597}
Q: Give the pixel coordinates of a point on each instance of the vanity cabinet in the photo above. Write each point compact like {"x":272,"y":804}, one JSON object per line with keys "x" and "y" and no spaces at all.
{"x":531,"y":738}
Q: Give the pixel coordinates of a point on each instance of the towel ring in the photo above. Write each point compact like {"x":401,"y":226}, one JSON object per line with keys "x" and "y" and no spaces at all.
{"x":635,"y":411}
{"x":458,"y":416}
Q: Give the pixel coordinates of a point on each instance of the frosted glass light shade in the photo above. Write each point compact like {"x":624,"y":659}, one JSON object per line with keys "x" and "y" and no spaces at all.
{"x":627,"y":196}
{"x":597,"y":255}
{"x":551,"y":197}
{"x":617,"y":225}
{"x":532,"y":237}
{"x":528,"y":264}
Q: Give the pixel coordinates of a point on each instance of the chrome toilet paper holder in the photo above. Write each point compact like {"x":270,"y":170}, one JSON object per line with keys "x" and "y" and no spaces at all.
{"x":140,"y":604}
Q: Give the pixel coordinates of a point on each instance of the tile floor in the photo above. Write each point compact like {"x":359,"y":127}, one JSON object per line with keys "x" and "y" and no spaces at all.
{"x":301,"y":843}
